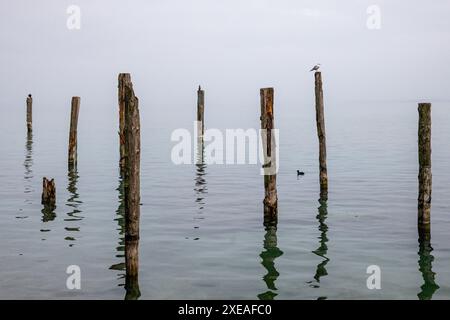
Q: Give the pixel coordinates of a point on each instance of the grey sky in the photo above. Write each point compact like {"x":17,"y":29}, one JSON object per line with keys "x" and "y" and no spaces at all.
{"x":231,"y":47}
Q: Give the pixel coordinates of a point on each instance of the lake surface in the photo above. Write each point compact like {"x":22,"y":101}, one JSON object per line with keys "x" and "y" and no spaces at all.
{"x":202,"y":233}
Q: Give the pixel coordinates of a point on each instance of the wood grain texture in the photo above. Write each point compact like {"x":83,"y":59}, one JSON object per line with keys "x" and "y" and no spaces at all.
{"x":73,"y":141}
{"x":132,"y":153}
{"x":48,"y":198}
{"x":29,"y":114}
{"x":270,"y":180}
{"x":124,"y":80}
{"x":201,"y":111}
{"x":320,"y":121}
{"x":425,"y":176}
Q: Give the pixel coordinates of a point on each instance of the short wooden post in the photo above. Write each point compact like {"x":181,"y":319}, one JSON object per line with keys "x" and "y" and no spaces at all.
{"x":132,"y":150}
{"x":72,"y":154}
{"x":200,"y":112}
{"x":425,"y":179}
{"x":124,"y":81}
{"x":48,"y":193}
{"x":29,"y":113}
{"x":320,"y":121}
{"x":270,"y":177}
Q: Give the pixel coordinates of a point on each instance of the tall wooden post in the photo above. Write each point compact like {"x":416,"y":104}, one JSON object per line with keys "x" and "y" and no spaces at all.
{"x":132,"y":152}
{"x":270,"y":177}
{"x":48,"y":193}
{"x":201,"y":111}
{"x":320,"y":120}
{"x":124,"y":81}
{"x":29,"y":113}
{"x":425,"y":180}
{"x":72,"y":152}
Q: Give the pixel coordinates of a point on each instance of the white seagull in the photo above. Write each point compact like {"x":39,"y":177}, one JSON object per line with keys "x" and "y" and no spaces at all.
{"x":315,"y":68}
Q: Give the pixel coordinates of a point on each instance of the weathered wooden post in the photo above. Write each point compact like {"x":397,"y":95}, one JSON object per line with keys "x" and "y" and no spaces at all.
{"x":48,"y":193}
{"x":424,"y":199}
{"x":72,"y":153}
{"x":124,"y":81}
{"x":29,"y":113}
{"x":132,"y":152}
{"x":200,"y":112}
{"x":270,"y":177}
{"x":320,"y":121}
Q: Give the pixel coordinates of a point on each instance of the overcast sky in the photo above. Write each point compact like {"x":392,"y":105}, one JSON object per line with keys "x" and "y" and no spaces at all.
{"x":231,"y":47}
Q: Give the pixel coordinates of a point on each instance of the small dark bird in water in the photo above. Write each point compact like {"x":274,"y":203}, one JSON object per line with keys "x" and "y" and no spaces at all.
{"x":300,"y":173}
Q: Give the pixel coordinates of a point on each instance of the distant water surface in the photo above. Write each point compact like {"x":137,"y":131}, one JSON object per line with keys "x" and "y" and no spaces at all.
{"x":202,"y":233}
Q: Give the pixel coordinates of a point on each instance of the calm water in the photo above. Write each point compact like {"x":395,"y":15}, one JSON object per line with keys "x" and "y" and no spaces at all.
{"x":202,"y":233}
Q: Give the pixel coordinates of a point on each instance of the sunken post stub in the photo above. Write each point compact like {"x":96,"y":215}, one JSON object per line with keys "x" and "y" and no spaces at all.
{"x":72,"y":152}
{"x":320,"y":121}
{"x":200,"y":112}
{"x":29,"y":113}
{"x":270,"y":180}
{"x":124,"y":82}
{"x":132,"y":153}
{"x":48,"y":193}
{"x":425,"y":178}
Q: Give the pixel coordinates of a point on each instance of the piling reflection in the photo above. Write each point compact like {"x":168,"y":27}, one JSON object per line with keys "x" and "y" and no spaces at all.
{"x":123,"y":249}
{"x":28,"y":165}
{"x":270,"y":253}
{"x":132,"y":270}
{"x":429,"y":286}
{"x":200,"y":188}
{"x":322,"y":250}
{"x":28,"y":172}
{"x":74,"y":203}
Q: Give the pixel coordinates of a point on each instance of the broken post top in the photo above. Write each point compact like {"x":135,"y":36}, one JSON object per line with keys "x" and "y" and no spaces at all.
{"x":29,"y":95}
{"x":318,"y":76}
{"x":124,"y":82}
{"x":200,"y":88}
{"x":125,"y":87}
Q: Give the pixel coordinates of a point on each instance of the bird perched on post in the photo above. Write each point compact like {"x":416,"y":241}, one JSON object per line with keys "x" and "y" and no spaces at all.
{"x":315,"y":68}
{"x":300,"y":173}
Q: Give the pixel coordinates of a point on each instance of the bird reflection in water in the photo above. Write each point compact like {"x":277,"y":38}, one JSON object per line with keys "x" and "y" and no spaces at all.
{"x":322,"y":250}
{"x":429,"y":286}
{"x":270,"y":253}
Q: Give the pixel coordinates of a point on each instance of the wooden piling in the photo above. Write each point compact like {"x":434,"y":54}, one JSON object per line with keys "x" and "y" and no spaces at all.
{"x":29,"y":113}
{"x":72,"y":153}
{"x":425,"y":177}
{"x":270,"y":177}
{"x":48,"y":193}
{"x":320,"y":121}
{"x":200,"y":112}
{"x":132,"y":152}
{"x":124,"y":82}
{"x":132,"y":270}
